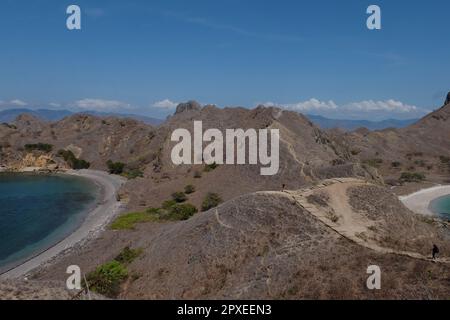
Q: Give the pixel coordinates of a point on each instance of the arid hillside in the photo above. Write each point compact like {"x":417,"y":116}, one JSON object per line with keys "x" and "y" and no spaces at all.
{"x":307,"y":154}
{"x":422,"y":148}
{"x":313,"y":243}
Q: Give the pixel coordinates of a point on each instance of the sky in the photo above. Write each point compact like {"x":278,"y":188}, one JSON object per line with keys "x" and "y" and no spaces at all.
{"x":144,"y":57}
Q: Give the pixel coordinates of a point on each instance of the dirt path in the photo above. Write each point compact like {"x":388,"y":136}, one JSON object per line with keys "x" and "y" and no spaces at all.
{"x":344,"y":220}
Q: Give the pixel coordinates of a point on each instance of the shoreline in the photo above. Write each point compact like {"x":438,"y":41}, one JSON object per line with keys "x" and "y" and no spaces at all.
{"x":420,"y":201}
{"x":97,"y":217}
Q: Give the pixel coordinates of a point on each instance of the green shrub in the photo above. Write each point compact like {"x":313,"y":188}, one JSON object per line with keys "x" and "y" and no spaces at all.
{"x":189,"y":189}
{"x":412,"y":177}
{"x":211,"y":200}
{"x":72,"y":161}
{"x":115,"y":167}
{"x":180,"y":212}
{"x":127,"y":255}
{"x":210,"y":167}
{"x":179,"y":197}
{"x":45,"y":147}
{"x":107,"y":278}
{"x":396,"y":164}
{"x":133,"y":174}
{"x":129,"y":220}
{"x":168,"y":204}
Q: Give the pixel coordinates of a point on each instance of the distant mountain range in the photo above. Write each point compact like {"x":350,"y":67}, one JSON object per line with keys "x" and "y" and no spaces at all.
{"x":324,"y":123}
{"x":55,"y":115}
{"x":351,"y":125}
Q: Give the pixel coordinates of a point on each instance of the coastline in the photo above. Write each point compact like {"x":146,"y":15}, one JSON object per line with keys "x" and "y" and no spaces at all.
{"x":420,"y":201}
{"x":106,"y":208}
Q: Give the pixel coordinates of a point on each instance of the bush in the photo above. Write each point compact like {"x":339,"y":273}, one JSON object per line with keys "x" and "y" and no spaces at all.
{"x":412,"y":177}
{"x":396,"y":164}
{"x":115,"y":167}
{"x":211,"y":167}
{"x":211,"y":200}
{"x":45,"y":147}
{"x":180,"y":212}
{"x":133,"y":174}
{"x":127,"y":255}
{"x":179,"y":197}
{"x":107,"y":278}
{"x":168,"y":204}
{"x":189,"y":189}
{"x":72,"y":161}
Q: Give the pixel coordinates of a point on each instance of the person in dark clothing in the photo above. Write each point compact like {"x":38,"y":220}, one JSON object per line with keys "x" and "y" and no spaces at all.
{"x":435,"y":251}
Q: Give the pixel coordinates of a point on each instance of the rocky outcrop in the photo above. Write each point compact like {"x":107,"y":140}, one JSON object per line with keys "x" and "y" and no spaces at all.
{"x":447,"y":101}
{"x":188,"y":106}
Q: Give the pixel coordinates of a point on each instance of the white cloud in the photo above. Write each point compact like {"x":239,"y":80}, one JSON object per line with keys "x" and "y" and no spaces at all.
{"x":388,"y":105}
{"x":165,"y":104}
{"x":312,"y":105}
{"x":101,"y":105}
{"x":18,"y":103}
{"x":13,"y":103}
{"x":54,"y":104}
{"x":367,"y":109}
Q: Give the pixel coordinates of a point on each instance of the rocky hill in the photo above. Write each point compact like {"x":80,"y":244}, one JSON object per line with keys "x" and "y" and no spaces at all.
{"x":313,"y":243}
{"x":423,"y":147}
{"x":307,"y":154}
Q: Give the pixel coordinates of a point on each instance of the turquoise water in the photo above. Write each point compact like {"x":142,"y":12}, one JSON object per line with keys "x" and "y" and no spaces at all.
{"x":441,"y":206}
{"x":38,"y":211}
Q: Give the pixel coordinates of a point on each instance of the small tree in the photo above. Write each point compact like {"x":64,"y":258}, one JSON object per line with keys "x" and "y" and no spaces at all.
{"x":189,"y":189}
{"x":179,"y":197}
{"x":115,"y":167}
{"x":211,"y":200}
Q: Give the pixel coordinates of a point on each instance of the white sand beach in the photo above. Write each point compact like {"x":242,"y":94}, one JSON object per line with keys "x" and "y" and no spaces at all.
{"x":419,"y":202}
{"x":107,"y":208}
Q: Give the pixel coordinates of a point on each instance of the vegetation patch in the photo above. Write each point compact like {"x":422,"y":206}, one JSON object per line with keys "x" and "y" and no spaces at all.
{"x":115,"y":167}
{"x":170,"y":211}
{"x":44,"y":147}
{"x":133,"y":174}
{"x":73,"y":161}
{"x":210,"y":167}
{"x":211,"y":200}
{"x":128,"y":255}
{"x":179,"y":197}
{"x":129,"y":220}
{"x":108,"y":277}
{"x":412,"y":177}
{"x":189,"y":189}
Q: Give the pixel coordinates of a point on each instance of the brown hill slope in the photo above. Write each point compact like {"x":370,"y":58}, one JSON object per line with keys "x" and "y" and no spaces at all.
{"x":422,"y":147}
{"x":274,"y":245}
{"x":307,"y":154}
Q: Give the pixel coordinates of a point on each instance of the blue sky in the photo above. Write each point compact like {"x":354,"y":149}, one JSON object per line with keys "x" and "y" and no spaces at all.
{"x":146,"y":56}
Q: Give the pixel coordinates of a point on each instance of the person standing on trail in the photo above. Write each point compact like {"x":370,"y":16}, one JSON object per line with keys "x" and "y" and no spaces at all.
{"x":435,"y":251}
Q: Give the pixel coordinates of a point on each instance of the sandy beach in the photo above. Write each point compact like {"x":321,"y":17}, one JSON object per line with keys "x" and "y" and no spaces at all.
{"x":419,"y":202}
{"x":107,"y":207}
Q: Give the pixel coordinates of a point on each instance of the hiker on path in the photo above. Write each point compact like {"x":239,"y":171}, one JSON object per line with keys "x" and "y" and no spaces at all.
{"x":435,"y":251}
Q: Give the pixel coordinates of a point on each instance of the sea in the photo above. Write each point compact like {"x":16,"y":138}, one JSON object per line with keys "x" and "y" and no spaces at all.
{"x":37,"y":211}
{"x":441,"y":207}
